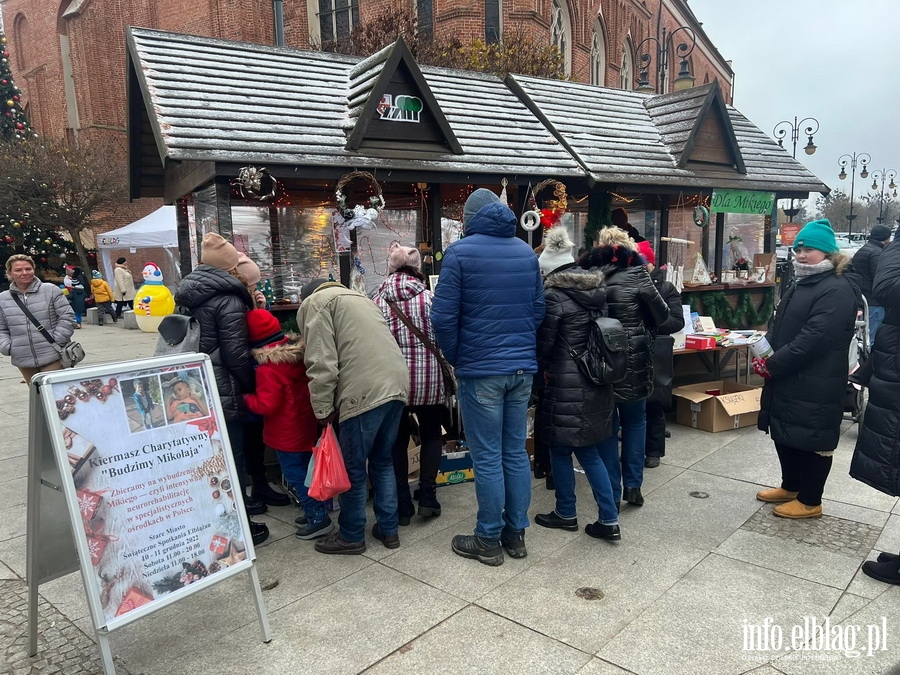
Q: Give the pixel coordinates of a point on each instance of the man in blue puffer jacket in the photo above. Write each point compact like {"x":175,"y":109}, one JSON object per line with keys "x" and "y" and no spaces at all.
{"x":487,"y":308}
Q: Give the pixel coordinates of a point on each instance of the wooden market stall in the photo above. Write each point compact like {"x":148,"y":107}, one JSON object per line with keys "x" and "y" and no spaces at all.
{"x":253,"y":141}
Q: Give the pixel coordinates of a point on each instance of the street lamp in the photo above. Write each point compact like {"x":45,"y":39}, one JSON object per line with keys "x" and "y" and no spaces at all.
{"x":851,"y":160}
{"x":684,"y":80}
{"x":781,"y":130}
{"x":884,"y":175}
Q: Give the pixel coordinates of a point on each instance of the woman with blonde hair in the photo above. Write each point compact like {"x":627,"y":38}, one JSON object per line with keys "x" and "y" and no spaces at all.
{"x":20,"y":339}
{"x":806,"y":375}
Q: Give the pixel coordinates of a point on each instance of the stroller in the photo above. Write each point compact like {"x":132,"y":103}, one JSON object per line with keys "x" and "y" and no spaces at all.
{"x":857,"y":394}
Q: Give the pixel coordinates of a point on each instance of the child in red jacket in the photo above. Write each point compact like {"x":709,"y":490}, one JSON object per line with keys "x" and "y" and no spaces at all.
{"x":282,"y":399}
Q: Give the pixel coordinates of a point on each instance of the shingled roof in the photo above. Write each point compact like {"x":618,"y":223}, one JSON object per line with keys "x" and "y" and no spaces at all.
{"x":201,"y":102}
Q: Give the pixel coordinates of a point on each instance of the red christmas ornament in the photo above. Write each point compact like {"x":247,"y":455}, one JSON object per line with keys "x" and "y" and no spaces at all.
{"x":92,"y":255}
{"x":4,"y":82}
{"x":15,"y":97}
{"x":19,"y":125}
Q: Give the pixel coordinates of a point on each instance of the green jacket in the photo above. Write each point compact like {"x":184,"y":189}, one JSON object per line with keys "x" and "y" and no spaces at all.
{"x":352,"y":360}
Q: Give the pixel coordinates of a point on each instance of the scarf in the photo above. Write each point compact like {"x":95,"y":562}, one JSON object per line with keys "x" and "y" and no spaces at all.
{"x":803,"y":270}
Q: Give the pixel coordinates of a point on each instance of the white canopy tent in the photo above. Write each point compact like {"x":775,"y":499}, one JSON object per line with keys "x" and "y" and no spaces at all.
{"x":159,"y":230}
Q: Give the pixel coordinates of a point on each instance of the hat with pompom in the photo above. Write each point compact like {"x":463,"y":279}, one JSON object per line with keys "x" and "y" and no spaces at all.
{"x":263,"y":328}
{"x":557,"y":250}
{"x":403,"y":256}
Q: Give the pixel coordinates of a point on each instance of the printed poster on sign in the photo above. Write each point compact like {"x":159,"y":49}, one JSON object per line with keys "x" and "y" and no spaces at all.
{"x":156,"y":494}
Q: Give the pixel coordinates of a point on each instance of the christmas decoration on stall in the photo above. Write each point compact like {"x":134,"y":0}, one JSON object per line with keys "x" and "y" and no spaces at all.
{"x":547,"y":217}
{"x":700,"y":216}
{"x":743,"y":315}
{"x":360,"y":216}
{"x":153,"y":301}
{"x":737,"y":254}
{"x":14,"y":125}
{"x":255,"y":183}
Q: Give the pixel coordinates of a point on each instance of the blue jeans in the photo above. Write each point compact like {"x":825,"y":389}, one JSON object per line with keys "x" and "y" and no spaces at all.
{"x":369,"y":437}
{"x":493,"y":411}
{"x":597,"y":475}
{"x":294,"y":466}
{"x":876,"y":316}
{"x":629,"y":469}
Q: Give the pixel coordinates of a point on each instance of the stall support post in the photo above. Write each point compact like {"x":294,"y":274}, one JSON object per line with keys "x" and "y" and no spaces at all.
{"x":184,"y":238}
{"x":344,"y":262}
{"x":277,"y":261}
{"x":223,"y":208}
{"x":720,"y":242}
{"x":437,"y":232}
{"x":663,"y":229}
{"x":771,"y":229}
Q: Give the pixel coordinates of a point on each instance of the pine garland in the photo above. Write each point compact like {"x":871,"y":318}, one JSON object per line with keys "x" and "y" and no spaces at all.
{"x":744,"y":315}
{"x":599,"y":216}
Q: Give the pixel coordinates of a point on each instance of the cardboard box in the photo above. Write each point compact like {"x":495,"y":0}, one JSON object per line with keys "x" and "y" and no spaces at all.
{"x":736,"y":406}
{"x":456,"y":467}
{"x":699,"y":342}
{"x":414,"y":462}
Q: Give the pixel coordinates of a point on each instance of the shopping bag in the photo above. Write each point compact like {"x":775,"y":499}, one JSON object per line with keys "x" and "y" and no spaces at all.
{"x":329,"y":474}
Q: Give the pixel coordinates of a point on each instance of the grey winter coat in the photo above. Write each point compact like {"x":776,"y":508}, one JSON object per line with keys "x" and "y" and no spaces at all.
{"x":20,"y":339}
{"x":574,"y":411}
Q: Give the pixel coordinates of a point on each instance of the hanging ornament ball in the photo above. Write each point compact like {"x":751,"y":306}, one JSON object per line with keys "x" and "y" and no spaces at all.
{"x":48,"y":241}
{"x":20,"y":126}
{"x":43,"y":260}
{"x":530,"y":221}
{"x":92,"y":255}
{"x":9,"y":239}
{"x":17,"y":224}
{"x":3,"y":40}
{"x":10,"y":103}
{"x":6,"y":54}
{"x":4,"y":82}
{"x":16,"y":97}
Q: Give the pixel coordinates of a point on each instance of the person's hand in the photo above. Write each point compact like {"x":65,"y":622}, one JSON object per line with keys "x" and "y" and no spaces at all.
{"x":259,"y":299}
{"x":327,"y":420}
{"x":761,"y":368}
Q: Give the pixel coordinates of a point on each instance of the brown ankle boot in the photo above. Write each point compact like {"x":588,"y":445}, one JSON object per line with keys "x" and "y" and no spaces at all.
{"x":775,"y":495}
{"x":795,"y":509}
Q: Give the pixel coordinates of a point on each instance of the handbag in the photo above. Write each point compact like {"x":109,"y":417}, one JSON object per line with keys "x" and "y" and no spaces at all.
{"x":70,"y":355}
{"x":605,"y":359}
{"x":446,"y":368}
{"x":178,"y":334}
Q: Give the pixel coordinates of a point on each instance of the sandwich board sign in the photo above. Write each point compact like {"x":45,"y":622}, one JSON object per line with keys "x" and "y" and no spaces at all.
{"x":131,"y":480}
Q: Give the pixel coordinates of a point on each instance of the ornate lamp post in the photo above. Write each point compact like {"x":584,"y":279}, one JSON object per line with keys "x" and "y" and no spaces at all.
{"x":684,"y":80}
{"x":781,"y":131}
{"x":884,"y":175}
{"x":851,"y":160}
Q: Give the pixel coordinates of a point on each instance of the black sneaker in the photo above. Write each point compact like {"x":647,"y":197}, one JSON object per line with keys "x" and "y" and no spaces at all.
{"x":555,"y":521}
{"x":471,"y":546}
{"x":315,"y":530}
{"x":254,"y":507}
{"x":600,"y":531}
{"x":651,"y":462}
{"x":514,"y":543}
{"x":884,"y":556}
{"x":259,"y":532}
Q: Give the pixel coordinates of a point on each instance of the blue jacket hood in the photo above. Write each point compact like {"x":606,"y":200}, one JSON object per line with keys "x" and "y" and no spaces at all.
{"x":495,"y":220}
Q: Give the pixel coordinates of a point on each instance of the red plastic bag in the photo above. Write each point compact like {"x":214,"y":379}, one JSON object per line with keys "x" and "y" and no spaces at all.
{"x":329,"y":473}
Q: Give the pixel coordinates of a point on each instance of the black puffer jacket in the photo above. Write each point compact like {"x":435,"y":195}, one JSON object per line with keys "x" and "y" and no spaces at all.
{"x":220,"y":303}
{"x":865,"y":264}
{"x":664,"y":343}
{"x":574,"y":411}
{"x":632,"y":299}
{"x":675,"y":320}
{"x":876,"y":460}
{"x":803,"y":402}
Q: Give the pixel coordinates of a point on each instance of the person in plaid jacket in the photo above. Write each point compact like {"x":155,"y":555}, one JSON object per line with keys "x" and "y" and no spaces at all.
{"x":405,"y":286}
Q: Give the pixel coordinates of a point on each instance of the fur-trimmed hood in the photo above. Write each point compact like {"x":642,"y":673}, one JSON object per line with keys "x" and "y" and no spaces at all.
{"x":290,"y":352}
{"x":614,"y":257}
{"x":584,"y":287}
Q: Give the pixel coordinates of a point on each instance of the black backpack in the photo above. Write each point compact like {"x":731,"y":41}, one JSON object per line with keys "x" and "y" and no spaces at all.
{"x":605,"y":359}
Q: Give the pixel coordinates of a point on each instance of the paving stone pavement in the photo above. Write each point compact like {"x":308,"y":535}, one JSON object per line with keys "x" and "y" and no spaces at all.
{"x":828,"y":532}
{"x":63,"y":649}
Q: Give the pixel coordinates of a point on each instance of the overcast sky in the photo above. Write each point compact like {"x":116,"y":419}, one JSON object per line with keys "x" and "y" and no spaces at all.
{"x":835,"y":60}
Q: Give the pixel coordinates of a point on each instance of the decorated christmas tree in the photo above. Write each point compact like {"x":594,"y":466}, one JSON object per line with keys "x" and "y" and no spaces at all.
{"x":13,"y":122}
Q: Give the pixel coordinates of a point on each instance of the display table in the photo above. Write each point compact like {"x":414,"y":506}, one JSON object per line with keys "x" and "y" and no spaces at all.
{"x":715,"y":360}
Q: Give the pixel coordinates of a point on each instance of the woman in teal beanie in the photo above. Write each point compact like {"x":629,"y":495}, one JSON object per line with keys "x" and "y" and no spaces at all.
{"x":806,"y":375}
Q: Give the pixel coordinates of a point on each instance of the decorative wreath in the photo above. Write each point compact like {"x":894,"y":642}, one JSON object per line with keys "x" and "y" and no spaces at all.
{"x":360,"y":215}
{"x":701,"y":216}
{"x":532,"y":218}
{"x":255,"y":183}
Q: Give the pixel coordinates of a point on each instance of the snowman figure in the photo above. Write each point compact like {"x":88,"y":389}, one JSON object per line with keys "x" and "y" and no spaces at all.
{"x":153,"y":300}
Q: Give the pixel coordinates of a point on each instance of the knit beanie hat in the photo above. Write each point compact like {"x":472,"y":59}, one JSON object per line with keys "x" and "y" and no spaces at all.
{"x":263,"y":328}
{"x":95,"y":274}
{"x":646,"y":250}
{"x":216,"y":252}
{"x":120,"y":261}
{"x":477,"y":201}
{"x":880,"y":232}
{"x":817,"y":234}
{"x":403,"y":256}
{"x":310,"y":287}
{"x":557,"y":250}
{"x":249,"y":269}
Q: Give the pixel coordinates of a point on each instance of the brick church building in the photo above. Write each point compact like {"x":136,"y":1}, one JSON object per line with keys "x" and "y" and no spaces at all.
{"x":69,"y":57}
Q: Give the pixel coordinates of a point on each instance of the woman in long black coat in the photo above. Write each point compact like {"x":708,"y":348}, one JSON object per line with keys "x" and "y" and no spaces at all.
{"x":876,"y":459}
{"x":806,"y":377}
{"x":575,"y":414}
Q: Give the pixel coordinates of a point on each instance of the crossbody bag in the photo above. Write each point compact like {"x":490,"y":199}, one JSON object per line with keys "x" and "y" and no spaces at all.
{"x":446,"y":368}
{"x":70,"y":355}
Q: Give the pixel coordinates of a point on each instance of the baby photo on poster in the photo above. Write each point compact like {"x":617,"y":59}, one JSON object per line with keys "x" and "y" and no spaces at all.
{"x":143,"y":403}
{"x":185,"y":399}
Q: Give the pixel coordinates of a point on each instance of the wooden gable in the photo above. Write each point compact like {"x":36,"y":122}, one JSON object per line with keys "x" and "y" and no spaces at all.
{"x":712,"y":140}
{"x":400,"y":110}
{"x":145,"y":161}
